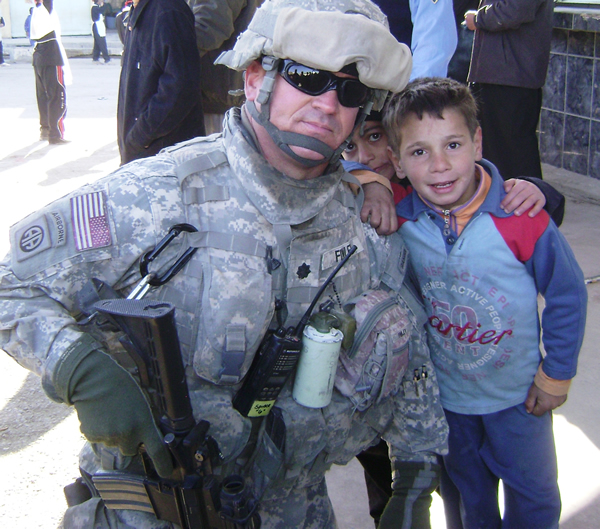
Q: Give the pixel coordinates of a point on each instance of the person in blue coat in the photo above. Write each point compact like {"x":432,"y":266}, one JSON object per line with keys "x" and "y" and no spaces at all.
{"x":160,"y":80}
{"x":428,"y":28}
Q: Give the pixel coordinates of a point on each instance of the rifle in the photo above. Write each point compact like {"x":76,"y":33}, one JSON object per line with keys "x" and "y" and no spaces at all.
{"x":192,"y":497}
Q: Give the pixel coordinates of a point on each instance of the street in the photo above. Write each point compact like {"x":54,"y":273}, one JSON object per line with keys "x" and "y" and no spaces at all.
{"x":40,"y":440}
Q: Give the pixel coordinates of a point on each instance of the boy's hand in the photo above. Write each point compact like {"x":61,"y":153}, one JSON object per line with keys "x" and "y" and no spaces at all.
{"x":522,"y":195}
{"x":379,"y":209}
{"x":539,"y":402}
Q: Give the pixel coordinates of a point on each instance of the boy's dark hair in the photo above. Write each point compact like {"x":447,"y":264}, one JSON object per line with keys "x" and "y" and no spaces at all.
{"x":428,"y":95}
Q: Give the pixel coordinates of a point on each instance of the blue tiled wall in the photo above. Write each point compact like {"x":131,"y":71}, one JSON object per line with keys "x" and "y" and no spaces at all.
{"x":569,"y":128}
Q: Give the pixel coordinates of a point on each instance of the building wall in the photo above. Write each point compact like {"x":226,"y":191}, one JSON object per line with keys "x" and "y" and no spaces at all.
{"x":569,"y":129}
{"x":74,"y":16}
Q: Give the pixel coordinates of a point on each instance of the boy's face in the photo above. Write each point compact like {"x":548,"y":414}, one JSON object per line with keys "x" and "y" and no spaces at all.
{"x":370,"y":149}
{"x":438,"y":156}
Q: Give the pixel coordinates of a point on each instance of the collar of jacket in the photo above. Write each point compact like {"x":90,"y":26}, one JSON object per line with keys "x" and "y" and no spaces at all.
{"x":279,"y":198}
{"x":412,"y":206}
{"x":136,"y":13}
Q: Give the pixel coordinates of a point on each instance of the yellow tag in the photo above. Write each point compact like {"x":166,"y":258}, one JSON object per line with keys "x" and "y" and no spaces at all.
{"x":260,"y":408}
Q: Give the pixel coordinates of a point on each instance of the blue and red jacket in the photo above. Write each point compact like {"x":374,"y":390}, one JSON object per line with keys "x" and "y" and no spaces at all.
{"x":480,"y":289}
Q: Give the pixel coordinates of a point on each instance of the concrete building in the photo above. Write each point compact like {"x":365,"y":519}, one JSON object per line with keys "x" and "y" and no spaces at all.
{"x":74,"y":16}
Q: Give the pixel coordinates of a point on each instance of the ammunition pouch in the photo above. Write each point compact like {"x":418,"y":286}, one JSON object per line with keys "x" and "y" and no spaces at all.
{"x":198,"y":502}
{"x":170,"y":502}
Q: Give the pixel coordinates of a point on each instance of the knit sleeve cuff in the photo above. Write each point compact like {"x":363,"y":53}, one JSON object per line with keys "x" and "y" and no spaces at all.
{"x":552,"y":386}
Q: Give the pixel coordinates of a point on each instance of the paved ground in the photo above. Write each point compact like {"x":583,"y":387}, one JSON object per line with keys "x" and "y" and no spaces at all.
{"x":39,"y":440}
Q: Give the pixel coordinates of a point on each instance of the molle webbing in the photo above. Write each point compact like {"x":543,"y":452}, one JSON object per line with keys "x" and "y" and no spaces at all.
{"x":232,"y":242}
{"x":200,"y":195}
{"x":200,"y":164}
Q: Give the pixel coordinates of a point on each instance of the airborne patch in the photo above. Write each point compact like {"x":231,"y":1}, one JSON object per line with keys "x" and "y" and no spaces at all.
{"x":32,"y":238}
{"x":39,"y":234}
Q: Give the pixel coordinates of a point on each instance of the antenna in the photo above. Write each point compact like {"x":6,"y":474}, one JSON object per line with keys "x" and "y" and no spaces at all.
{"x":304,"y":320}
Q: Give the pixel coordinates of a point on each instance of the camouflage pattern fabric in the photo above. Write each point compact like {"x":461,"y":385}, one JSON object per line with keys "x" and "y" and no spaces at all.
{"x":102,"y":229}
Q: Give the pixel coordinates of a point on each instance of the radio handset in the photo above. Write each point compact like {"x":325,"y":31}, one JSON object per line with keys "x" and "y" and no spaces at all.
{"x":275,"y":360}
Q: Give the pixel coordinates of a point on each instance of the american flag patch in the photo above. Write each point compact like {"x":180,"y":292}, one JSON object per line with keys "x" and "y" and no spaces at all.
{"x":90,"y":221}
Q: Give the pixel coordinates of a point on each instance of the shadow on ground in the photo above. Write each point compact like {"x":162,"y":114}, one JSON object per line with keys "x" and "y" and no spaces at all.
{"x":73,"y":168}
{"x":28,"y":415}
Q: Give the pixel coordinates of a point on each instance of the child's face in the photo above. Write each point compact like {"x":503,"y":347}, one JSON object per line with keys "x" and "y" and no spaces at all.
{"x":438,"y":156}
{"x":370,"y":149}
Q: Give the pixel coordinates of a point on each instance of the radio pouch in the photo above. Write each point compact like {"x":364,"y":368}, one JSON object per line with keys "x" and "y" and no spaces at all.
{"x":373,"y":368}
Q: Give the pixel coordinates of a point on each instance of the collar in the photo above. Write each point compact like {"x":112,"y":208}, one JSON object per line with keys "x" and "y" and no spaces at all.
{"x":457,"y":218}
{"x":136,"y":12}
{"x":280,"y":199}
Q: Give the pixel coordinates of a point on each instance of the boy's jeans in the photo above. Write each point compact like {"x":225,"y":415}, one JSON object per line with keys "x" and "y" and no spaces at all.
{"x":513,"y":446}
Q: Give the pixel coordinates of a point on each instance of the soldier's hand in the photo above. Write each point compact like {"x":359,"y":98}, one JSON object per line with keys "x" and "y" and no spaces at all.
{"x":539,"y":402}
{"x":111,"y":407}
{"x":379,"y":209}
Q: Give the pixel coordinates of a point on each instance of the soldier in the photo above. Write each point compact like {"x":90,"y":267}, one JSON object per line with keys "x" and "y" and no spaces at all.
{"x":275,"y":215}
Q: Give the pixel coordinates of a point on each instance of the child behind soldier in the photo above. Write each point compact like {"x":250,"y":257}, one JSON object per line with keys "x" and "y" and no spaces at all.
{"x":480,"y":270}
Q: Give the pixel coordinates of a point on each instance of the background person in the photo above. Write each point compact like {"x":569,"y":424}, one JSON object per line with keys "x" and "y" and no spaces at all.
{"x":27,"y":26}
{"x":2,"y":24}
{"x":511,"y":52}
{"x":52,"y":73}
{"x":427,"y":27}
{"x":160,"y":78}
{"x":218,"y":24}
{"x":99,"y":32}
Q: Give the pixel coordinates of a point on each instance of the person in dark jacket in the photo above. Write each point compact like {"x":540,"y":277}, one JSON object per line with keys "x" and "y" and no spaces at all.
{"x":160,"y":80}
{"x":511,"y":52}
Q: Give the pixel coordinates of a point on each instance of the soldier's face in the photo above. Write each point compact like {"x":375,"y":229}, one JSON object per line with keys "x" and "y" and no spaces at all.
{"x":321,"y":117}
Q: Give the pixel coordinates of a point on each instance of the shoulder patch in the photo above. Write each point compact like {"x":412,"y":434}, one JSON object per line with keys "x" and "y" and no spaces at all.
{"x":89,"y":218}
{"x":39,"y":234}
{"x":32,"y":238}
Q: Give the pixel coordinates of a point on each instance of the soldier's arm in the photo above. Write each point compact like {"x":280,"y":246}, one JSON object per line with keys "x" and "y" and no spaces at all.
{"x":54,"y":252}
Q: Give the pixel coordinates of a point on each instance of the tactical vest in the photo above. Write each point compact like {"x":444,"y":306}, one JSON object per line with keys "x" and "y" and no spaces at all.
{"x":262,"y":237}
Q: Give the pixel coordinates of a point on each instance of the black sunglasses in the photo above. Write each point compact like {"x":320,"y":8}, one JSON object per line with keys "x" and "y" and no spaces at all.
{"x":351,"y":92}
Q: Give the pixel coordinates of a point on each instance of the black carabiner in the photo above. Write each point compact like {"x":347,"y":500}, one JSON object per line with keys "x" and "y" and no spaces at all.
{"x":149,"y":256}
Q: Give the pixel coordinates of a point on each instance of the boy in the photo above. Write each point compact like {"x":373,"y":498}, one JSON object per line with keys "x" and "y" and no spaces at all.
{"x":480,"y":270}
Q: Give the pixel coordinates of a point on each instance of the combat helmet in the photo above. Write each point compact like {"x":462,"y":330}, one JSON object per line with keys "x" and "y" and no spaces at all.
{"x":324,"y":34}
